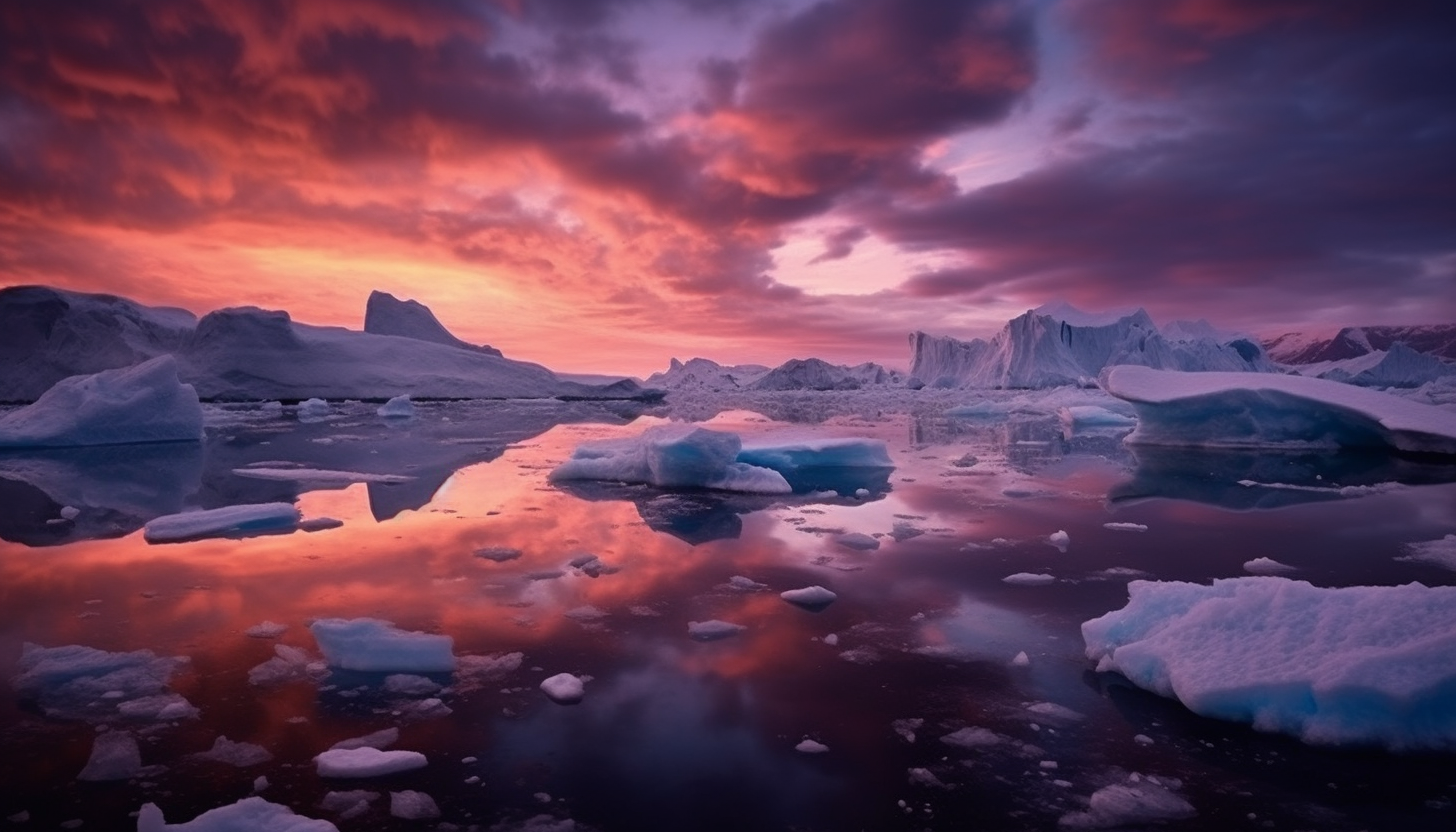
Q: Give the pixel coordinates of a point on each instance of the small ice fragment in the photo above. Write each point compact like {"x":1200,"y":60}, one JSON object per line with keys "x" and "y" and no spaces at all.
{"x":372,"y":644}
{"x":924,"y":777}
{"x":1055,"y":711}
{"x":412,"y":805}
{"x":972,"y":738}
{"x":407,"y":684}
{"x":809,"y":746}
{"x":832,"y":639}
{"x":472,"y":780}
{"x":70,"y":512}
{"x":499,"y":554}
{"x":267,"y":629}
{"x":240,"y":754}
{"x":313,"y":410}
{"x":564,"y":689}
{"x":467,"y":760}
{"x":1059,"y":539}
{"x":1021,"y":660}
{"x":1125,"y":527}
{"x":1136,"y":803}
{"x":379,"y":739}
{"x":1029,"y":579}
{"x":260,"y":783}
{"x":1049,"y":765}
{"x":810,"y":597}
{"x":366,"y":762}
{"x":713,"y":630}
{"x":1267,"y":566}
{"x":114,"y":756}
{"x":906,"y":728}
{"x":319,"y":524}
{"x":1143,"y":739}
{"x":858,"y":541}
{"x":228,"y":520}
{"x":399,"y":407}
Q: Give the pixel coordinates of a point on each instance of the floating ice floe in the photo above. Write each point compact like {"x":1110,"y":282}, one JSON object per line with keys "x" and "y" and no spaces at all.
{"x":399,"y":407}
{"x":1125,"y":527}
{"x":348,"y":804}
{"x":145,"y":403}
{"x":1029,"y":579}
{"x":240,"y":754}
{"x":564,"y":689}
{"x":79,"y":682}
{"x":1368,"y":665}
{"x":288,"y":664}
{"x":372,"y":644}
{"x":810,"y":597}
{"x":314,"y":410}
{"x":672,"y":456}
{"x":972,"y":738}
{"x":381,"y":740}
{"x":222,"y":522}
{"x":809,"y":746}
{"x":713,"y":630}
{"x":366,"y":761}
{"x":251,"y":814}
{"x":1137,"y":801}
{"x":413,"y":805}
{"x":115,"y":755}
{"x":267,"y":629}
{"x":1262,"y":410}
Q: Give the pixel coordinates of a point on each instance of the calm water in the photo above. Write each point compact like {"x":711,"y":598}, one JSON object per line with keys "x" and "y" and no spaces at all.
{"x":675,"y":733}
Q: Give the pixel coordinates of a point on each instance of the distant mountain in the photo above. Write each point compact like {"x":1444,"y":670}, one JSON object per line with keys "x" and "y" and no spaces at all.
{"x":707,"y":375}
{"x":701,"y":374}
{"x":1057,"y":344}
{"x":385,"y":314}
{"x":1354,"y":341}
{"x":1399,"y":366}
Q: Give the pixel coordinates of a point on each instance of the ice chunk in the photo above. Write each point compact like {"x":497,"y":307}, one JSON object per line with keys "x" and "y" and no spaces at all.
{"x":810,"y":597}
{"x":399,"y":407}
{"x":1030,"y":579}
{"x":412,"y":805}
{"x":1060,"y":539}
{"x":381,"y":740}
{"x":114,"y":756}
{"x":563,"y":688}
{"x":145,"y":403}
{"x":713,"y":630}
{"x":972,"y":738}
{"x":1140,"y":800}
{"x":1343,"y":665}
{"x":743,"y":583}
{"x":671,"y":456}
{"x":348,"y":804}
{"x":158,"y":707}
{"x":314,"y":410}
{"x":809,"y":746}
{"x":78,"y":682}
{"x":499,"y":554}
{"x":251,"y":814}
{"x":372,"y":644}
{"x":1021,"y":660}
{"x":1092,"y":416}
{"x":1052,"y":710}
{"x":406,"y":684}
{"x":366,"y":761}
{"x":267,"y":629}
{"x":1125,"y":527}
{"x":789,"y":458}
{"x":319,"y":476}
{"x":219,"y":522}
{"x":287,"y":665}
{"x":1267,"y":566}
{"x":1238,"y":410}
{"x":858,"y":541}
{"x":240,"y":754}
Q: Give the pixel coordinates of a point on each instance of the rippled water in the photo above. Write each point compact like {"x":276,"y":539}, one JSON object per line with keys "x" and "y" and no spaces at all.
{"x":675,"y":733}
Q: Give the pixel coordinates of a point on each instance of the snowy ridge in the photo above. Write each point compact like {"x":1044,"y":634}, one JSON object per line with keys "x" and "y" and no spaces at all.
{"x":1350,"y":342}
{"x":1057,"y":345}
{"x":1399,"y":366}
{"x":1255,"y":410}
{"x":385,"y":314}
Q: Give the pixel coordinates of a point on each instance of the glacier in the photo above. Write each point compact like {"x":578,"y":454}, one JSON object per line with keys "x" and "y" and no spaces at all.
{"x":1360,"y":665}
{"x":1262,"y":410}
{"x":1056,"y":344}
{"x":144,"y":403}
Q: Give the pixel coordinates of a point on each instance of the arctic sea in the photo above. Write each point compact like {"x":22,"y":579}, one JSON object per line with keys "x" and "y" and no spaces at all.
{"x":935,"y":694}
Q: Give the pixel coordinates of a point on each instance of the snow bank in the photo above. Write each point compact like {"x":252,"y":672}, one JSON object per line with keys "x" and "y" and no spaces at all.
{"x":366,"y":761}
{"x":219,"y":522}
{"x":374,"y":645}
{"x":1350,"y":665}
{"x":251,"y":814}
{"x":145,"y":403}
{"x":672,"y":456}
{"x":1247,"y":410}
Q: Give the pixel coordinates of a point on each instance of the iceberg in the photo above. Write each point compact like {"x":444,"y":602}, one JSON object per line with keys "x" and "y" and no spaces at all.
{"x":1365,"y":665}
{"x":672,"y":456}
{"x":251,"y":814}
{"x":817,"y":374}
{"x":1247,"y":410}
{"x":1399,"y":366}
{"x":367,"y":761}
{"x":399,"y":407}
{"x":1353,"y":341}
{"x":243,"y":520}
{"x":374,"y":645}
{"x":385,"y":314}
{"x":51,"y":334}
{"x":145,"y":403}
{"x":84,"y":683}
{"x":702,"y":374}
{"x":1057,"y":345}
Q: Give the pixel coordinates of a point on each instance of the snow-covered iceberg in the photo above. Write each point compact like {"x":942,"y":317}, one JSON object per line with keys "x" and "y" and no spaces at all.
{"x":1398,"y":366}
{"x":240,"y":520}
{"x":672,"y":456}
{"x":145,"y":403}
{"x":370,"y":644}
{"x":1257,"y":410}
{"x":385,"y":314}
{"x":51,"y":334}
{"x":703,"y":374}
{"x":1353,"y":341}
{"x":1056,"y":345}
{"x":1367,"y":665}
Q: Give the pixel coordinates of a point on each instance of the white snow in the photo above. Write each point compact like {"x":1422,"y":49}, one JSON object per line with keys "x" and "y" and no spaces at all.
{"x":563,"y":688}
{"x":1243,"y":410}
{"x":399,"y":407}
{"x":1267,"y":566}
{"x":1030,"y":579}
{"x":1399,"y":366}
{"x":366,"y":761}
{"x":671,"y":456}
{"x":858,"y":541}
{"x":251,"y":814}
{"x":412,"y":805}
{"x":1439,"y":552}
{"x":809,"y":746}
{"x":372,"y":644}
{"x":1125,"y":527}
{"x":713,"y":630}
{"x":114,"y":756}
{"x":1138,"y":801}
{"x":1343,"y":665}
{"x":145,"y":403}
{"x":218,"y":522}
{"x":810,"y":597}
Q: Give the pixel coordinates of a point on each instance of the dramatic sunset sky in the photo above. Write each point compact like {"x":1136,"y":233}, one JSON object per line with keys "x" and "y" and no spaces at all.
{"x":602,"y":184}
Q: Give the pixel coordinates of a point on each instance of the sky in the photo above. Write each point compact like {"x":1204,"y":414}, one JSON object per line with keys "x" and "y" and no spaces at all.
{"x":600,"y":185}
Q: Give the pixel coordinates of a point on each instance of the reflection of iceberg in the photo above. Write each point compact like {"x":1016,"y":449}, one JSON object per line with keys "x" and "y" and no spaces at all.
{"x":1245,"y":480}
{"x":694,"y":517}
{"x":117,"y":489}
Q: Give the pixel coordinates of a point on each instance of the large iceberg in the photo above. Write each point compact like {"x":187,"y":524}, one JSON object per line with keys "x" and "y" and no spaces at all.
{"x":1057,"y":345}
{"x":49,"y":334}
{"x":817,"y":374}
{"x":705,"y":374}
{"x":1249,"y":410}
{"x":1353,"y":341}
{"x":672,"y":456}
{"x":145,"y":403}
{"x":370,"y":644}
{"x":385,"y":314}
{"x":1399,"y":366}
{"x":1368,"y":665}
